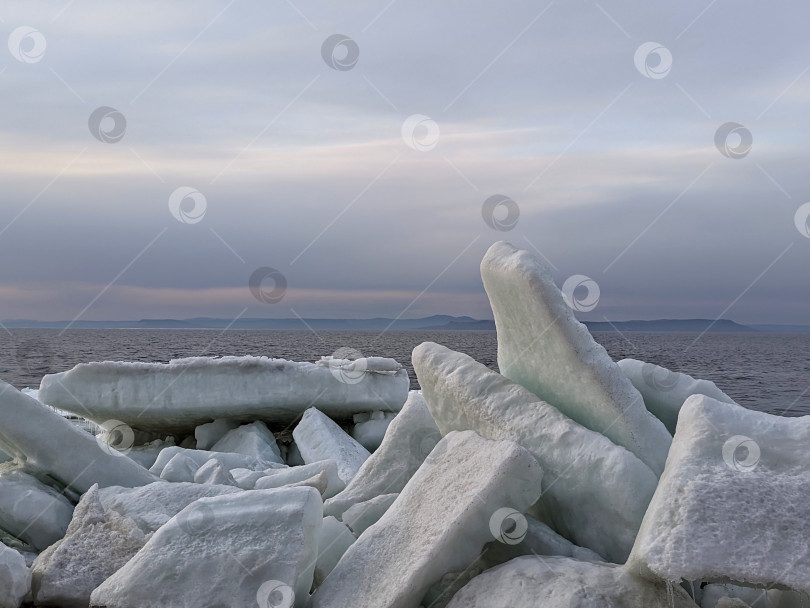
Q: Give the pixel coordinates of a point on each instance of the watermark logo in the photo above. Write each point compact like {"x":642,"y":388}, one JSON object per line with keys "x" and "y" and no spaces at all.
{"x":27,"y":44}
{"x":508,"y":526}
{"x":196,"y":519}
{"x":268,"y":294}
{"x":348,"y":365}
{"x":653,"y":60}
{"x":741,"y":453}
{"x":500,"y":212}
{"x":420,"y":133}
{"x":187,"y":215}
{"x":733,"y":140}
{"x":275,"y":594}
{"x":422,"y":442}
{"x":581,"y":293}
{"x":116,"y":436}
{"x":340,"y":52}
{"x":107,"y":125}
{"x":802,"y":220}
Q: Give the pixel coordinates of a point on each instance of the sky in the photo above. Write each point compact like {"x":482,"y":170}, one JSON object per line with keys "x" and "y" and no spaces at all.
{"x":157,"y":160}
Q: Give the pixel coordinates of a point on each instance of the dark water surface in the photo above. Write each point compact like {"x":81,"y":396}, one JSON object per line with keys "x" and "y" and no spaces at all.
{"x":767,"y":372}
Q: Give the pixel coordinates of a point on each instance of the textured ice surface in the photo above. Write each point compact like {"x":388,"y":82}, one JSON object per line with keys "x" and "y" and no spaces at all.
{"x":15,"y":579}
{"x":179,"y":396}
{"x":733,"y":504}
{"x":409,"y":439}
{"x":318,"y":438}
{"x":543,"y":347}
{"x":233,"y":550}
{"x":595,"y":492}
{"x":561,"y":582}
{"x":664,"y":391}
{"x":363,"y":515}
{"x":438,"y":524}
{"x":714,"y":594}
{"x":181,"y":468}
{"x":46,"y":441}
{"x":253,"y":439}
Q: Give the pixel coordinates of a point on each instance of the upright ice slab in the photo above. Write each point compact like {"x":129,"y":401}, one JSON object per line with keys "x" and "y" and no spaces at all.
{"x":543,"y":347}
{"x":664,"y":391}
{"x":185,"y":393}
{"x":439,"y":523}
{"x":732,"y":504}
{"x":319,"y":438}
{"x":595,"y":492}
{"x":46,"y":441}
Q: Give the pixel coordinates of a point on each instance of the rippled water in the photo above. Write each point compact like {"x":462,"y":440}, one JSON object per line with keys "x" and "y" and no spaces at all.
{"x":767,"y":372}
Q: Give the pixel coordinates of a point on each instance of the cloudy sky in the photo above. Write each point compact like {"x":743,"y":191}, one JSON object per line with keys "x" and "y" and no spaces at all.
{"x":357,"y":166}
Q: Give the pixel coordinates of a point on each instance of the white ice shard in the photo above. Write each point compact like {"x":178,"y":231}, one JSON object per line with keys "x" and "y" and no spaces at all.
{"x":561,"y":582}
{"x":543,"y":347}
{"x":363,"y":515}
{"x":212,"y":472}
{"x":334,"y":538}
{"x":109,"y":526}
{"x":318,"y":437}
{"x":258,"y":547}
{"x":230,"y":460}
{"x":206,"y":435}
{"x":664,"y":391}
{"x":369,"y":428}
{"x":49,"y":443}
{"x":439,"y":523}
{"x":276,"y":478}
{"x":32,"y":511}
{"x":253,"y":439}
{"x":732,"y":504}
{"x":15,"y":579}
{"x":179,"y":396}
{"x":181,"y":468}
{"x":595,"y":492}
{"x":408,"y":441}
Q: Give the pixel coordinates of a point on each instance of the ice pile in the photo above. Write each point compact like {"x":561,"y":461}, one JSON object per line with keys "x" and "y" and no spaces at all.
{"x":248,"y":481}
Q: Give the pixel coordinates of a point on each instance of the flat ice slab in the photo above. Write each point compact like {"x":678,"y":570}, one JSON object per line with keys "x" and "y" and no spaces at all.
{"x":543,"y":347}
{"x":595,"y":492}
{"x":46,"y":441}
{"x":245,"y":549}
{"x":439,"y":523}
{"x":179,"y":396}
{"x":733,"y":504}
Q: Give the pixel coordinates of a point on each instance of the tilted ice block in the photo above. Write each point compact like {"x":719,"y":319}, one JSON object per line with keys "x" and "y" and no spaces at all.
{"x":230,"y":460}
{"x":561,"y":582}
{"x":409,"y":439}
{"x":370,"y":430}
{"x":212,"y":472}
{"x":334,"y":538}
{"x":254,"y":440}
{"x":15,"y":579}
{"x":595,"y":492}
{"x":732,"y":504}
{"x":318,"y":437}
{"x":206,"y":435}
{"x":185,"y":393}
{"x":363,"y":515}
{"x":109,"y":527}
{"x":245,"y":549}
{"x":46,"y":441}
{"x":31,"y":511}
{"x":180,"y":468}
{"x":439,"y":523}
{"x":146,"y":455}
{"x":664,"y":391}
{"x":281,"y":477}
{"x":543,"y":347}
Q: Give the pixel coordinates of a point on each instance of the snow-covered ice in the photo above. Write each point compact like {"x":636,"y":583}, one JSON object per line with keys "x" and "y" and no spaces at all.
{"x":318,"y":437}
{"x":178,"y":396}
{"x":439,"y":523}
{"x":664,"y":390}
{"x":253,"y":439}
{"x":595,"y":492}
{"x":15,"y":579}
{"x":543,"y":347}
{"x":408,"y":441}
{"x":732,"y":504}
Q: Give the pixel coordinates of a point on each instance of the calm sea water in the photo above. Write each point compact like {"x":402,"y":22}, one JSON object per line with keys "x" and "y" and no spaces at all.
{"x":767,"y":372}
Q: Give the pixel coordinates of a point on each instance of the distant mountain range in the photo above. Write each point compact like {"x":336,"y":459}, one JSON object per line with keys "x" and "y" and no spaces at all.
{"x":435,"y":322}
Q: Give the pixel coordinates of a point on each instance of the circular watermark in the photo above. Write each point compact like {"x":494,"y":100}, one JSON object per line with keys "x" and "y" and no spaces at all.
{"x":34,"y":357}
{"x":116,"y":436}
{"x":653,"y":60}
{"x":275,"y":594}
{"x":500,"y":212}
{"x":802,"y":220}
{"x":27,"y":44}
{"x":581,"y":293}
{"x":420,"y":133}
{"x":196,"y":518}
{"x":348,"y":365}
{"x":422,"y":442}
{"x":733,"y":140}
{"x":508,"y":526}
{"x":107,"y":125}
{"x":741,"y":453}
{"x":187,"y":215}
{"x":340,"y":52}
{"x":259,"y":288}
{"x":659,"y":378}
